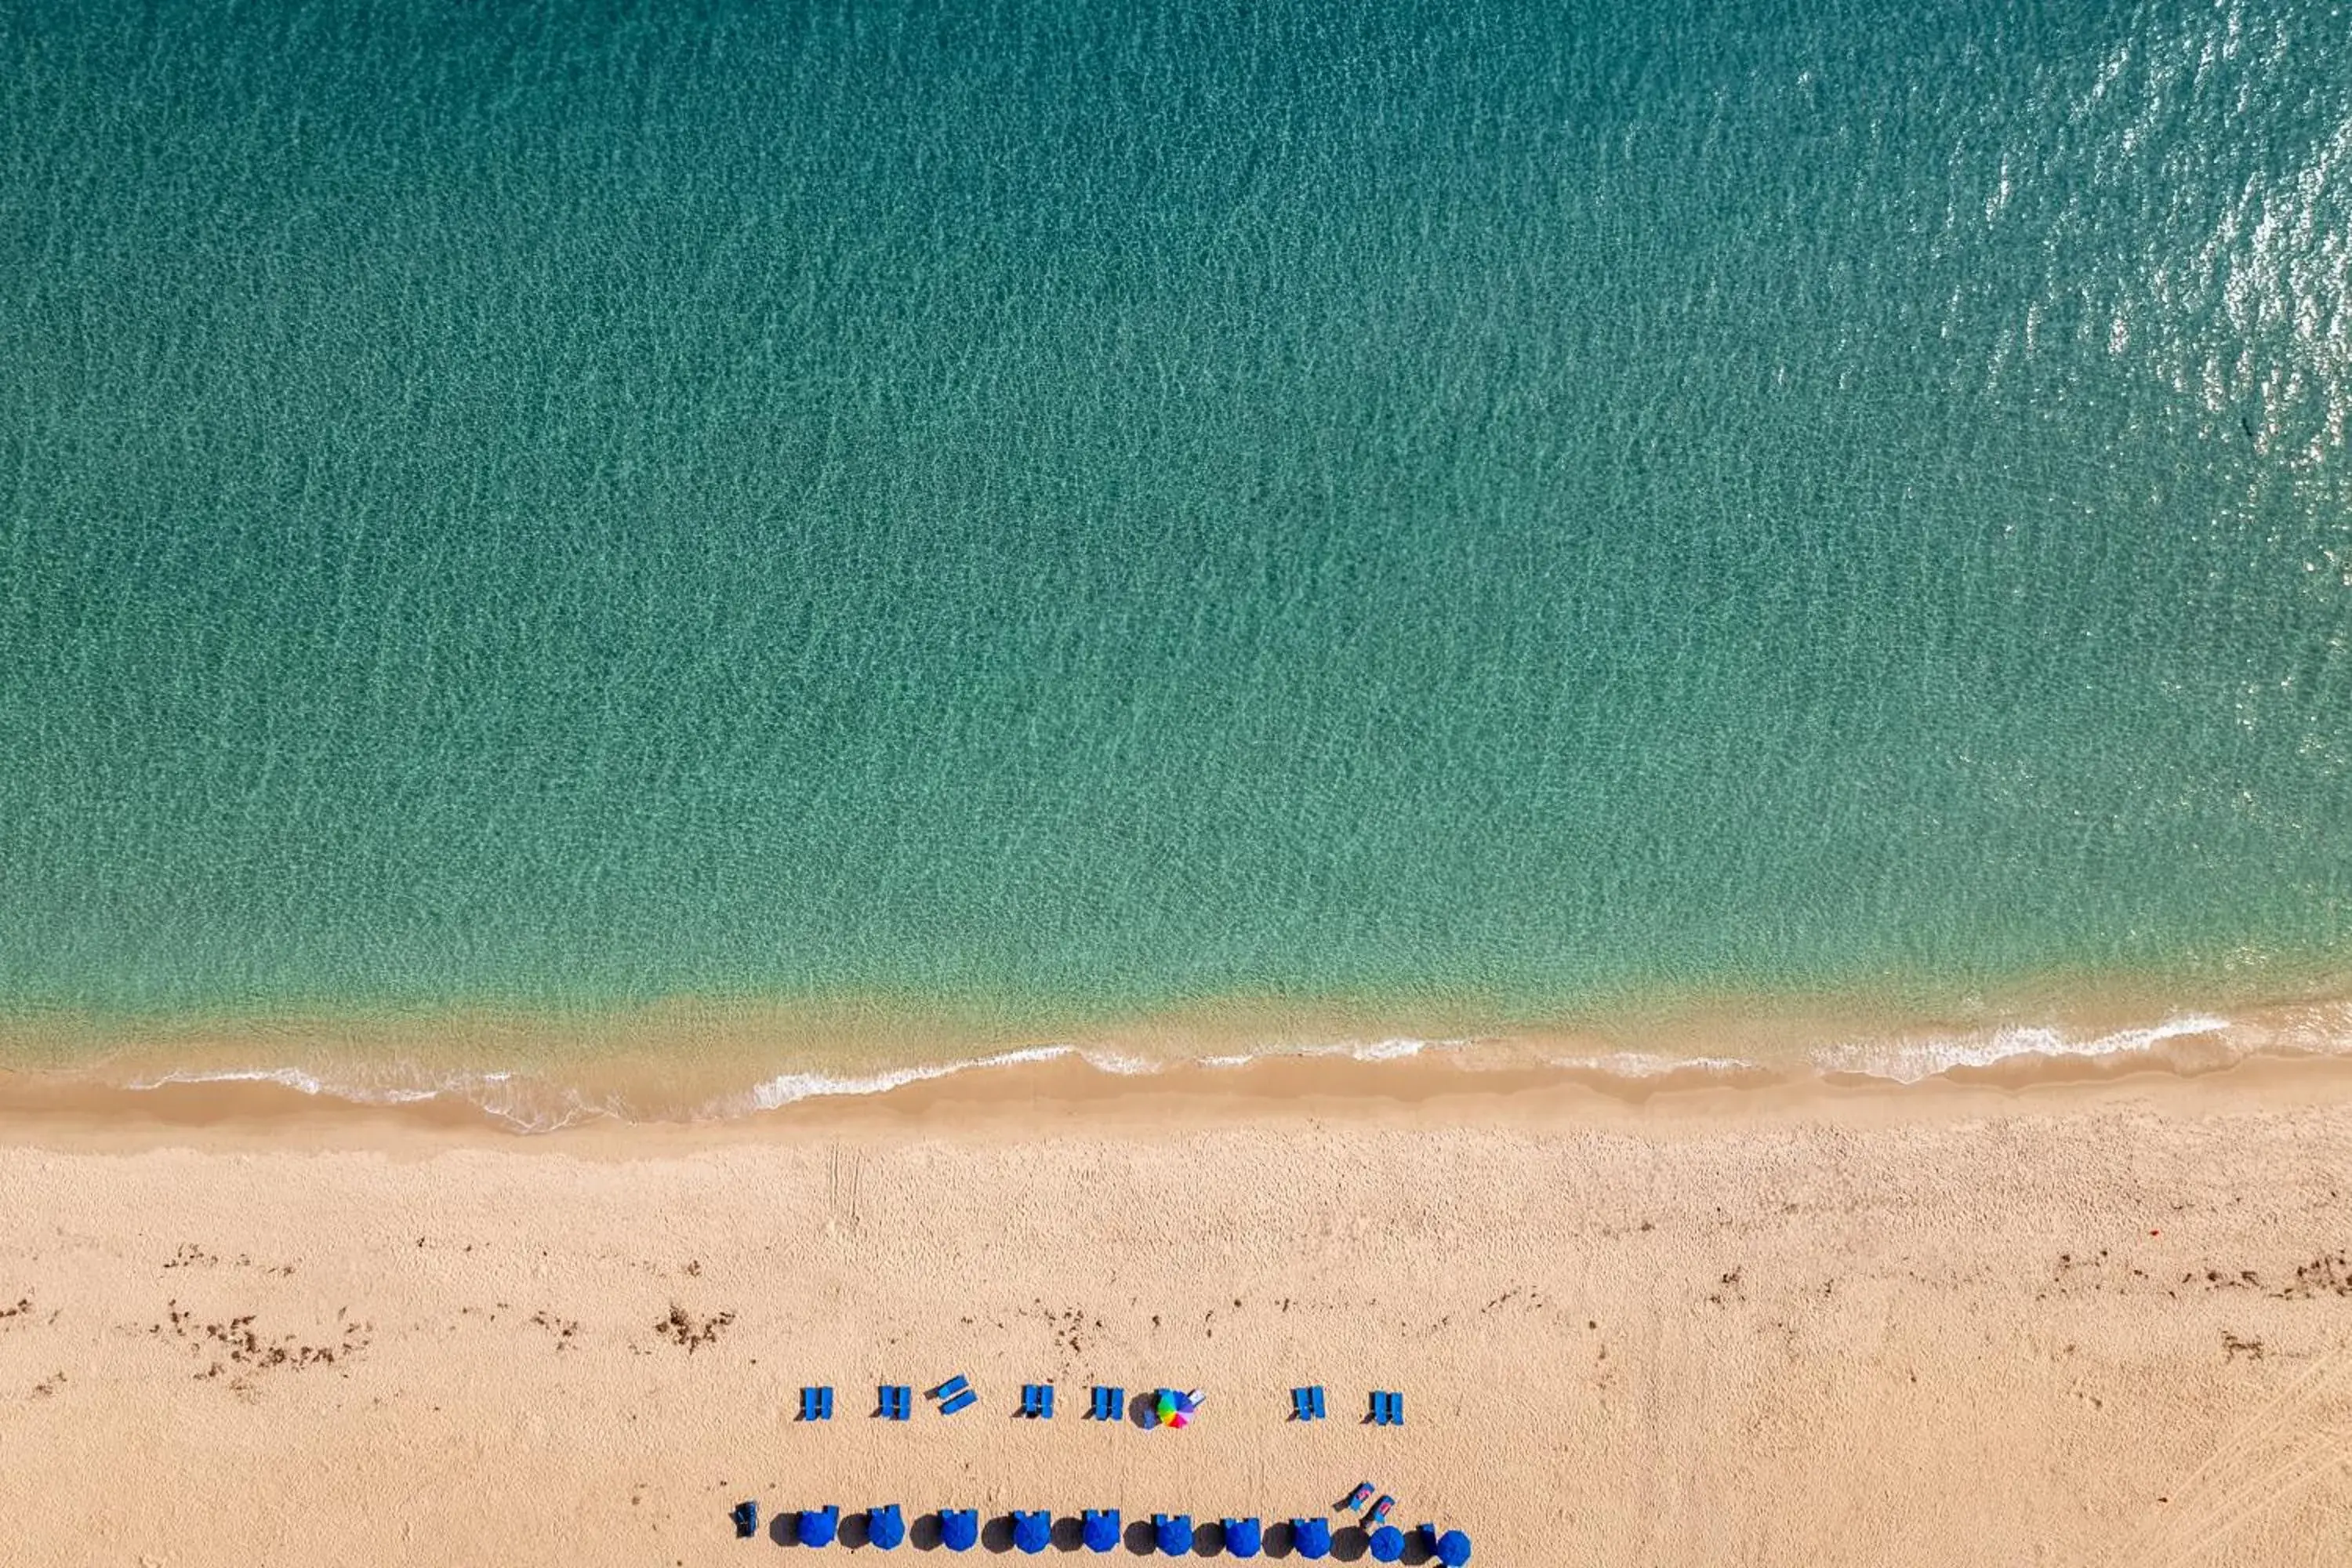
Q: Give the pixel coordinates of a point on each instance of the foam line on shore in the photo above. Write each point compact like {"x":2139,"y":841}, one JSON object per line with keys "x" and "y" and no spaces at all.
{"x":518,"y":1103}
{"x":538,"y":1101}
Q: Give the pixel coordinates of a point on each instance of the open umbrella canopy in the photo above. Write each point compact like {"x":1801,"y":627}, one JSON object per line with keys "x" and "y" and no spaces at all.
{"x":959,"y":1529}
{"x":886,"y":1527}
{"x":1102,"y":1530}
{"x":1033,"y":1530}
{"x":817,"y":1526}
{"x":1388,"y":1543}
{"x":1244,"y":1537}
{"x":1312,"y":1537}
{"x":1453,"y":1549}
{"x":1174,"y":1532}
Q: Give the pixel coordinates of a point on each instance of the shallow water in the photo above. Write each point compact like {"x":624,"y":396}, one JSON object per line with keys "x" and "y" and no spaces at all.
{"x":1009,"y":525}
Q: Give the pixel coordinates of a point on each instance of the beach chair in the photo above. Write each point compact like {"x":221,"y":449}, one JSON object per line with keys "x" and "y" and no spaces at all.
{"x":816,"y":1404}
{"x":1108,"y":1403}
{"x":1379,"y":1514}
{"x":1360,"y":1496}
{"x":897,"y":1402}
{"x":817,"y":1526}
{"x":746,"y":1515}
{"x":1387,"y":1409}
{"x":1306,"y":1404}
{"x":950,"y":1388}
{"x":959,"y":1528}
{"x":955,"y":1402}
{"x":1037,"y":1401}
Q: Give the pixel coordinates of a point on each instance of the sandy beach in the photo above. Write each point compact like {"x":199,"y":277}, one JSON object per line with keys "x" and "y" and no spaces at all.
{"x":2083,"y":1323}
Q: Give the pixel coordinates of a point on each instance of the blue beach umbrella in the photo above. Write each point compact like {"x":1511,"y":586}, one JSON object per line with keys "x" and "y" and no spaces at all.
{"x":1388,"y":1543}
{"x":1243,"y":1536}
{"x":1102,"y":1530}
{"x":1033,"y":1530}
{"x":1453,"y":1549}
{"x":1312,"y":1536}
{"x":1174,"y":1532}
{"x":886,"y":1527}
{"x":959,"y":1529}
{"x":817,"y":1526}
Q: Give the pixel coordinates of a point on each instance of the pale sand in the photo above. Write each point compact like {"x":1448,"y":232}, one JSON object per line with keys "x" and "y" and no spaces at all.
{"x":1927,"y":1326}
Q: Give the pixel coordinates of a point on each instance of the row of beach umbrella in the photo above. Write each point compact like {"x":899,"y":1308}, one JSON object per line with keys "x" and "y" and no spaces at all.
{"x":1032,"y":1531}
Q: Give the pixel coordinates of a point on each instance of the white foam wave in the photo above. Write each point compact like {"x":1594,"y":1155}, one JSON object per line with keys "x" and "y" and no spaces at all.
{"x":787,"y":1088}
{"x":1652,"y":1064}
{"x":1916,"y":1060}
{"x":528,"y":1104}
{"x":523,"y":1107}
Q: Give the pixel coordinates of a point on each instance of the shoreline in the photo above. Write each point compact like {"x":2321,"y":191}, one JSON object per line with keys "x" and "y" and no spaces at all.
{"x":681,"y":1064}
{"x":1060,"y":1093}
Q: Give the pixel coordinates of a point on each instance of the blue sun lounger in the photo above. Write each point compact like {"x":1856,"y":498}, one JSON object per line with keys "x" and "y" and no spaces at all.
{"x":1037,"y":1401}
{"x":1108,"y":1403}
{"x":816,"y":1404}
{"x":1306,"y":1404}
{"x":963,"y":1400}
{"x":746,"y":1515}
{"x":951,"y":1387}
{"x":1387,"y":1409}
{"x":897,"y":1402}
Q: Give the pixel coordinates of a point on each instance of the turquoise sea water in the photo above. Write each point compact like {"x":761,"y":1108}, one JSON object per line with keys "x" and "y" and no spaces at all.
{"x":1074,"y":510}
